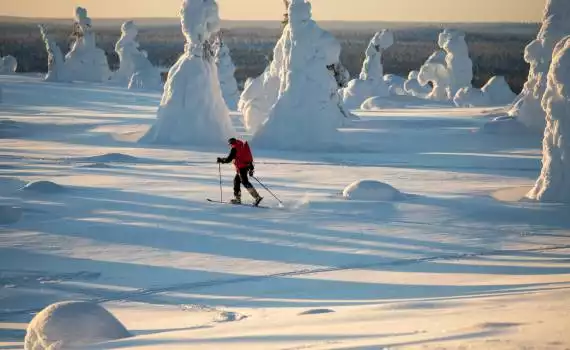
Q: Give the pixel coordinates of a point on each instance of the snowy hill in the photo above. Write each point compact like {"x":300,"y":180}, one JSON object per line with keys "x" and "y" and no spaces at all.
{"x":447,"y":266}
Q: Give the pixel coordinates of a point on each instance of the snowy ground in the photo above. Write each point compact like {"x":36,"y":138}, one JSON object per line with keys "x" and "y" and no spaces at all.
{"x":450,"y":266}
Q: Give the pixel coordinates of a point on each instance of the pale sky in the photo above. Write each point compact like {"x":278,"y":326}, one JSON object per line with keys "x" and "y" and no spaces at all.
{"x":346,"y":10}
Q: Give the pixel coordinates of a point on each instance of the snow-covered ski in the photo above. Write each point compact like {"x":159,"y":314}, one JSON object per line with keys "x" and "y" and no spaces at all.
{"x":242,"y":204}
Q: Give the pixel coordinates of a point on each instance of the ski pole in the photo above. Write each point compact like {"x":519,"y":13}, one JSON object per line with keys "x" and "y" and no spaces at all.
{"x":268,"y":190}
{"x":220,"y":173}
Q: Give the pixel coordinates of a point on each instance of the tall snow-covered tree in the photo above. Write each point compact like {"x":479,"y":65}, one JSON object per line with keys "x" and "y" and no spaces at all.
{"x":538,"y":54}
{"x":192,"y":110}
{"x":553,"y":185}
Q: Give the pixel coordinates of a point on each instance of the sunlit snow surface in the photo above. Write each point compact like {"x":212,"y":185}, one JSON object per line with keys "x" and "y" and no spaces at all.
{"x":459,"y":261}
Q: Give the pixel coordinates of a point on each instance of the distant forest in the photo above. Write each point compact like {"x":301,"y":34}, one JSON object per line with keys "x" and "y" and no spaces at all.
{"x":496,"y":49}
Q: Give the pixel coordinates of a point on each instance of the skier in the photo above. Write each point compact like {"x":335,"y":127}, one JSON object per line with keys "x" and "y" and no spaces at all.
{"x":242,"y":158}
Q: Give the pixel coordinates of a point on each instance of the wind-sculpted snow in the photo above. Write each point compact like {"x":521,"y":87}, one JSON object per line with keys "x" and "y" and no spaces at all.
{"x":307,"y":112}
{"x":538,"y":54}
{"x":371,"y":81}
{"x":135,"y":69}
{"x":192,"y":110}
{"x":85,"y":61}
{"x":72,"y":324}
{"x":8,"y":65}
{"x":226,"y":74}
{"x":553,"y":185}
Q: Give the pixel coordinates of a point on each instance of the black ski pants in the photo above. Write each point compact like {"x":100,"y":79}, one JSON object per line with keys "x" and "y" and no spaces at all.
{"x":241,"y":179}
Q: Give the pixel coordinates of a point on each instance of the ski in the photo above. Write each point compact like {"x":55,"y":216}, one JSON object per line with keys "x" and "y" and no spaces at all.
{"x":242,"y":204}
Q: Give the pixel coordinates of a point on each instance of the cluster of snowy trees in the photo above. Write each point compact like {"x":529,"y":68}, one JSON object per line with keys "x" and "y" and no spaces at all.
{"x":302,"y":97}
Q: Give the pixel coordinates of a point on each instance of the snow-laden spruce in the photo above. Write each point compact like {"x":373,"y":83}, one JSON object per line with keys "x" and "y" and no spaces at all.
{"x":85,"y":61}
{"x":192,"y":110}
{"x":72,"y":324}
{"x":371,"y":80}
{"x":555,"y":26}
{"x":307,"y":114}
{"x":8,"y":65}
{"x":553,"y":184}
{"x":449,"y":69}
{"x":226,"y":74}
{"x":56,"y":69}
{"x":135,"y":70}
{"x":261,"y":93}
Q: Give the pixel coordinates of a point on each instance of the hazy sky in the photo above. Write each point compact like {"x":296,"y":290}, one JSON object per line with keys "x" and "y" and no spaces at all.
{"x":354,"y":10}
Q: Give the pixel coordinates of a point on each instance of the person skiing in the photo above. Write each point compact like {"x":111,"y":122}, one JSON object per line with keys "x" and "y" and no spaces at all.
{"x":241,"y":156}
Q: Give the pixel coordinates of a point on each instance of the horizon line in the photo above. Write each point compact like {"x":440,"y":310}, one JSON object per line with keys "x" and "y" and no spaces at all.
{"x":274,"y":20}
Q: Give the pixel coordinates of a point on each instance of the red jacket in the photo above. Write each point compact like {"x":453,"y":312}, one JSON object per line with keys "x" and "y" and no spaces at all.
{"x":241,"y":155}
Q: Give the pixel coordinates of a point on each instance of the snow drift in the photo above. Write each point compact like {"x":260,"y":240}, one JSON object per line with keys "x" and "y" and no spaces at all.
{"x":8,"y":65}
{"x":192,"y":110}
{"x":553,"y":185}
{"x":72,"y":324}
{"x":555,"y":26}
{"x":371,"y":81}
{"x":370,"y":190}
{"x":85,"y":61}
{"x":307,"y":112}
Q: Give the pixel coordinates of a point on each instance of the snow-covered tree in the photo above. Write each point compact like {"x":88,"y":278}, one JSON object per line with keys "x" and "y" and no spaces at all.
{"x":434,"y":72}
{"x":553,"y":185}
{"x":457,"y":59}
{"x":85,"y":61}
{"x":135,"y":70}
{"x":192,"y":109}
{"x":56,"y":69}
{"x":449,"y":69}
{"x":371,"y":81}
{"x":226,"y":73}
{"x":8,"y":65}
{"x":555,"y":26}
{"x":306,"y":114}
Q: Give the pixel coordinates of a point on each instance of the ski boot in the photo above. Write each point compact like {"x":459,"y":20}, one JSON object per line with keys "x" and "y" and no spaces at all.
{"x":236,"y":199}
{"x":256,"y":197}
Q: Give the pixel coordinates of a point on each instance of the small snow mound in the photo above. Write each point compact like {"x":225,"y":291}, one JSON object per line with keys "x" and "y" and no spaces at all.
{"x":316,"y":312}
{"x":72,"y":324}
{"x":10,"y":214}
{"x":229,"y":316}
{"x":112,"y":158}
{"x":371,"y":190}
{"x":43,"y":187}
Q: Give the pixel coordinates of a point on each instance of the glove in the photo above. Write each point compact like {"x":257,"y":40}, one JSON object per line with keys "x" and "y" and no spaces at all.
{"x":219,"y":160}
{"x":251,"y":171}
